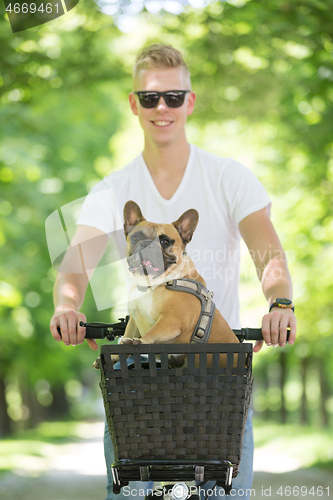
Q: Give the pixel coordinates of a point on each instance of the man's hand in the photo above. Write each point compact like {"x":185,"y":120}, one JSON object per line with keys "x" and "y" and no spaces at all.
{"x":274,"y":328}
{"x":71,"y":332}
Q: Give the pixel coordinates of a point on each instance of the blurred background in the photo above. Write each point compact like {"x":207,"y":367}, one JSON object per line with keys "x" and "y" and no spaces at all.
{"x":263,"y":74}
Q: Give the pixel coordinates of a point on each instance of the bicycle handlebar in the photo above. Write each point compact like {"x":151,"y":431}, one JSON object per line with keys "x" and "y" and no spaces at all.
{"x":112,"y":330}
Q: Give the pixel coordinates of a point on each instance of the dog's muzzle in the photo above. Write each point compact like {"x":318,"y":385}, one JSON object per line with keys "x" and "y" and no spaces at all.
{"x":134,"y":261}
{"x":147,"y":251}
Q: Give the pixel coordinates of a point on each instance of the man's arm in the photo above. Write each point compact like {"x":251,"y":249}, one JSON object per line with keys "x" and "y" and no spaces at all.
{"x":86,"y":249}
{"x":272,"y":269}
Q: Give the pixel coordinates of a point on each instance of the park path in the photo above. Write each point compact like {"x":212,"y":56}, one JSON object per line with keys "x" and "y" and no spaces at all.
{"x":76,"y":471}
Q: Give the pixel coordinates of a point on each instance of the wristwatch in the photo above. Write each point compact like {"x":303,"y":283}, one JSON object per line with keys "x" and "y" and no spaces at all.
{"x":283,"y":303}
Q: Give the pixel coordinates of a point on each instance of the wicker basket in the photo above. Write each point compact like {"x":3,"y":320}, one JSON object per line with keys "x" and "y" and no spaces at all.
{"x":177,"y":413}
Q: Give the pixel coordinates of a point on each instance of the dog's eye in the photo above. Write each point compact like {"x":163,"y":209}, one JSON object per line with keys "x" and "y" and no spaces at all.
{"x":165,"y":242}
{"x":135,"y":238}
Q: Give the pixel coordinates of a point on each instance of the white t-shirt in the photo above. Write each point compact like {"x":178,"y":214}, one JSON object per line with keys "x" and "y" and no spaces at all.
{"x":222,"y":190}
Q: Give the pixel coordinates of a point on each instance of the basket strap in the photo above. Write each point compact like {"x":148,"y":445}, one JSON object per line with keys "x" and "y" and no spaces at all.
{"x":203,"y":327}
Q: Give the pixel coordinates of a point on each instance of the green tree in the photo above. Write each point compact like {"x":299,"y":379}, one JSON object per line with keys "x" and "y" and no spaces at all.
{"x":263,"y":75}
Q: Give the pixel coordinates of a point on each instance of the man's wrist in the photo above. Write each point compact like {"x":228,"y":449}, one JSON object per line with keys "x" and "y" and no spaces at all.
{"x":65,"y":307}
{"x":281,"y":310}
{"x":282,"y":303}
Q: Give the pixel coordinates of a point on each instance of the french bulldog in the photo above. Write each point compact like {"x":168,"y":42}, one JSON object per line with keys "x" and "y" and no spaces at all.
{"x":156,"y":254}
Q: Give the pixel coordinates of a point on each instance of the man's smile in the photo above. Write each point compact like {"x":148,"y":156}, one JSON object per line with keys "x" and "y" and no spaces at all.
{"x":162,"y":123}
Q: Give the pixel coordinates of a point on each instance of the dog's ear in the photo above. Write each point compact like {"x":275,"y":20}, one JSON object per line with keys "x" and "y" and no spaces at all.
{"x":132,"y":216}
{"x":186,"y":224}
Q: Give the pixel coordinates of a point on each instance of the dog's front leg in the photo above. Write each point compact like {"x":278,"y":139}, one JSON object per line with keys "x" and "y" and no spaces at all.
{"x":131,"y":332}
{"x":166,"y":329}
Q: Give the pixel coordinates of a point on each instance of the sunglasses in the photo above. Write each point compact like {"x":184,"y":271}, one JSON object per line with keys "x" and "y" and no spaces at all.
{"x":173,"y":98}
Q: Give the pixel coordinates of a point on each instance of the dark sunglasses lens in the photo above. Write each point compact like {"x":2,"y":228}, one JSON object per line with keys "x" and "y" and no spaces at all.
{"x":148,"y":100}
{"x":172,"y":99}
{"x":175,"y":100}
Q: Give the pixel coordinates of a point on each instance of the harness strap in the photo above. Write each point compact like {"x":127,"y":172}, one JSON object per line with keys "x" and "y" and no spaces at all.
{"x":204,"y":324}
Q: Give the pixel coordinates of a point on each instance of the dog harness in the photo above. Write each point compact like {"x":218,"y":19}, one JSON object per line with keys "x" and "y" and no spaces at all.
{"x":203,"y":327}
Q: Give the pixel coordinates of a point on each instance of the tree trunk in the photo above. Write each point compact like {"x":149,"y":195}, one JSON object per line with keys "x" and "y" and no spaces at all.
{"x":5,"y":422}
{"x":267,"y":412}
{"x":283,"y":364}
{"x":304,"y":413}
{"x":38,"y":412}
{"x":59,"y":406}
{"x":324,"y":395}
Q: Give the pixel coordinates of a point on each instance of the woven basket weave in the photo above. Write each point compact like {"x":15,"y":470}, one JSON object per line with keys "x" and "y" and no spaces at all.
{"x":177,"y":413}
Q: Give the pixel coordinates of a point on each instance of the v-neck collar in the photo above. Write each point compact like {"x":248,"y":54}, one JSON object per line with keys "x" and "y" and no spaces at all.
{"x":182,"y":183}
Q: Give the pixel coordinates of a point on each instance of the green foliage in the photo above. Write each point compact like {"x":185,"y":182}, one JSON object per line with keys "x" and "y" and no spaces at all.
{"x":58,"y":110}
{"x":263,"y":76}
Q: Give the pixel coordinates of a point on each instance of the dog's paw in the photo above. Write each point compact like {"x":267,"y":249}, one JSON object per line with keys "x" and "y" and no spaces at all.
{"x":126,"y":341}
{"x":137,"y":341}
{"x":96,"y":364}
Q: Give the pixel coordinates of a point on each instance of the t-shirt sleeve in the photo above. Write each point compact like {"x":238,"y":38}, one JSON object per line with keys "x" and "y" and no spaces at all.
{"x":100,"y":210}
{"x":243,"y":192}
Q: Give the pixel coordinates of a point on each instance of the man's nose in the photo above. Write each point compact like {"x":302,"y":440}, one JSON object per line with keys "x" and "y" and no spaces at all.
{"x":161,"y":103}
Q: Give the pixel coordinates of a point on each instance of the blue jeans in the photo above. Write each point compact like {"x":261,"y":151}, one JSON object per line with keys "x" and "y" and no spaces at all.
{"x":241,"y":485}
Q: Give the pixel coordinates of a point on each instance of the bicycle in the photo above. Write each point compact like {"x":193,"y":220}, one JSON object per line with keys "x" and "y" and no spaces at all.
{"x":151,"y":410}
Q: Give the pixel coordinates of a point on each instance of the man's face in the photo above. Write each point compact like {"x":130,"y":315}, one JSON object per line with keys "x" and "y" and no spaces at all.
{"x":163,"y":125}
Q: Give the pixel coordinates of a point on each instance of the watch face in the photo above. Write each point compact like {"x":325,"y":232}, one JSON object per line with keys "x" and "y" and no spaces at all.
{"x":284,"y":302}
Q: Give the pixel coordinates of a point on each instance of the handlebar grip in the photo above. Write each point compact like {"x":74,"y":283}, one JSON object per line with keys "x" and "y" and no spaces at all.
{"x":95,"y":333}
{"x":91,"y":332}
{"x":253,"y":334}
{"x":248,"y":334}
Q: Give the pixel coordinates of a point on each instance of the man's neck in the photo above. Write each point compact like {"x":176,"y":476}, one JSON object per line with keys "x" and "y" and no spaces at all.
{"x":168,"y":159}
{"x":167,"y":166}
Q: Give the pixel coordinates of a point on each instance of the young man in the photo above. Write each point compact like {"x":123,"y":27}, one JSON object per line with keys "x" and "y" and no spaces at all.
{"x":169,"y":177}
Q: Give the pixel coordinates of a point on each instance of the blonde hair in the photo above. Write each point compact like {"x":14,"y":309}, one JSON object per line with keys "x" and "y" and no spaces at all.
{"x":159,"y":56}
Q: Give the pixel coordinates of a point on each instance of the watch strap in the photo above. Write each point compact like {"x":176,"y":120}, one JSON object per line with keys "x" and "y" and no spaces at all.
{"x":281,"y":306}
